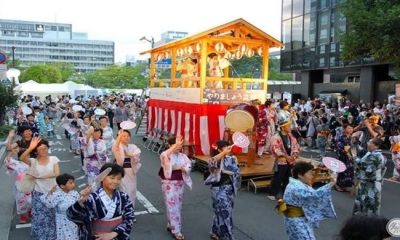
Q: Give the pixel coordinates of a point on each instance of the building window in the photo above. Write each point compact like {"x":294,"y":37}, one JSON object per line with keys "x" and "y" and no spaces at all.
{"x":333,"y":47}
{"x":306,"y":30}
{"x":286,"y":34}
{"x":61,"y":29}
{"x":323,"y":27}
{"x":307,"y":6}
{"x":53,"y":28}
{"x":297,"y":33}
{"x":297,"y":8}
{"x":322,"y":61}
{"x":323,"y":4}
{"x":286,"y":9}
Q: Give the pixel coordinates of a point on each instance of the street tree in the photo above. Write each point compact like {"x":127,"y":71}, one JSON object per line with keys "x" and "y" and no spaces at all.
{"x":42,"y":73}
{"x":7,"y":99}
{"x":373,"y":28}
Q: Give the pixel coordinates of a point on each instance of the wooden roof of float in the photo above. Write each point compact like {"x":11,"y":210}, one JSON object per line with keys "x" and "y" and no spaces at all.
{"x":238,"y":31}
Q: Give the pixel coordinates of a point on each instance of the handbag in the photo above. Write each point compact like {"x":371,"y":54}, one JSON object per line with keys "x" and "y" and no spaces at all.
{"x":28,"y":182}
{"x":214,"y":177}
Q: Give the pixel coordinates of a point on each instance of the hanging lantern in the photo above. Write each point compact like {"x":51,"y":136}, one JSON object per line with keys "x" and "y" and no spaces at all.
{"x":250,"y":52}
{"x":179,"y":52}
{"x":219,"y":47}
{"x":228,"y":55}
{"x":238,"y":55}
{"x":260,"y":51}
{"x":167,"y":55}
{"x":160,"y":57}
{"x":243,"y":48}
{"x":188,"y":50}
{"x":197,"y":47}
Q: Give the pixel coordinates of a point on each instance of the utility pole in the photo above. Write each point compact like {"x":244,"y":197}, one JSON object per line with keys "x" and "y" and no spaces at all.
{"x":13,"y":56}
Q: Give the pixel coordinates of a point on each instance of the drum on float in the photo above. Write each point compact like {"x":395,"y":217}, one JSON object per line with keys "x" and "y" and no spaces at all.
{"x":241,"y":117}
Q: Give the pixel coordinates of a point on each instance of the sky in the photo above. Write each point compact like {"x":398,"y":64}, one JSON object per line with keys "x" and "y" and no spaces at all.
{"x":126,"y":21}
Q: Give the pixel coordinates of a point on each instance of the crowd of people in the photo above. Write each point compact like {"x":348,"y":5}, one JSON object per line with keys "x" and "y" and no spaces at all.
{"x":45,"y":193}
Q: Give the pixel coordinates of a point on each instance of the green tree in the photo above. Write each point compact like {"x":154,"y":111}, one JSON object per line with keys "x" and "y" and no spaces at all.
{"x":373,"y":28}
{"x":66,"y":70}
{"x":7,"y":99}
{"x":117,"y":77}
{"x":42,"y":73}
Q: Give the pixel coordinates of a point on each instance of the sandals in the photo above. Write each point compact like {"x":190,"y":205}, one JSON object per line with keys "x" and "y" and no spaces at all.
{"x":214,"y":236}
{"x":177,"y":236}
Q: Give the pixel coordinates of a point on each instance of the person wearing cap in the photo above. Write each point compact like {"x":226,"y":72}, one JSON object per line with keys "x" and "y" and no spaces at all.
{"x":224,"y":180}
{"x":285,"y":150}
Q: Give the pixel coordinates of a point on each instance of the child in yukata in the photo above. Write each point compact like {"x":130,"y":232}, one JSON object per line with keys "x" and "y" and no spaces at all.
{"x":61,"y":199}
{"x":106,"y":213}
{"x":50,"y":127}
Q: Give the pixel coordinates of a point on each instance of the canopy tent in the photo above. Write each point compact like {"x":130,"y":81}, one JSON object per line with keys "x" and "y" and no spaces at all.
{"x":43,"y":89}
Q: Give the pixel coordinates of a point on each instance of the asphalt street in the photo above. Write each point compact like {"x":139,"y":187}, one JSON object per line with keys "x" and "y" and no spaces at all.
{"x":254,"y":215}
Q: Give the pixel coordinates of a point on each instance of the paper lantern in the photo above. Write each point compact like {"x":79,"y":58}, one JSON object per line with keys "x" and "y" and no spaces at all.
{"x":260,"y":51}
{"x":167,"y":55}
{"x":160,"y":57}
{"x":188,"y":50}
{"x":197,"y":47}
{"x":219,"y":47}
{"x":250,"y":52}
{"x":238,"y":55}
{"x":228,"y":55}
{"x":179,"y":52}
{"x":242,"y":48}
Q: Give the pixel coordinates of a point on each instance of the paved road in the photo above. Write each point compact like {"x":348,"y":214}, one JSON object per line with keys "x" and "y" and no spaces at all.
{"x":254,"y":215}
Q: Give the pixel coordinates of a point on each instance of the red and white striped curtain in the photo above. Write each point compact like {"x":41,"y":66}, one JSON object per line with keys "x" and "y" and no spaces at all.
{"x":199,"y":124}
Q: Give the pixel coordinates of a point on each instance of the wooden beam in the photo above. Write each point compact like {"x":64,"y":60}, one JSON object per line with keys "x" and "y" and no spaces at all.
{"x":173,"y":67}
{"x":152,"y":70}
{"x":203,"y":67}
{"x":265,"y":63}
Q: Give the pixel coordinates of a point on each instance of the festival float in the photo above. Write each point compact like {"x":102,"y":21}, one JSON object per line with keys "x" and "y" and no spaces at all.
{"x":202,"y":99}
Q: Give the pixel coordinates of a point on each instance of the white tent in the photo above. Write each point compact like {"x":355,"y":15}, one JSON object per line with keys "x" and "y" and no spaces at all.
{"x":43,"y":89}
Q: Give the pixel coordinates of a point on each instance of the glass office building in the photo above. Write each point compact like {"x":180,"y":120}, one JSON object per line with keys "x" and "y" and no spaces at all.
{"x":311,"y":32}
{"x":42,"y":42}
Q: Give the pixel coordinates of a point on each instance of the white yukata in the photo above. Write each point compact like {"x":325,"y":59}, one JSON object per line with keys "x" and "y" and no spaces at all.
{"x":108,"y":137}
{"x":61,"y":201}
{"x":131,"y":167}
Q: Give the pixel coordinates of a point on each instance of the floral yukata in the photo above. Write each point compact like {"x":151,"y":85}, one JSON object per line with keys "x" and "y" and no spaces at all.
{"x":61,"y":201}
{"x":17,"y":169}
{"x":223,"y":191}
{"x":369,"y":173}
{"x":175,"y":173}
{"x":345,"y":179}
{"x":99,"y":206}
{"x":316,"y":204}
{"x":95,"y":152}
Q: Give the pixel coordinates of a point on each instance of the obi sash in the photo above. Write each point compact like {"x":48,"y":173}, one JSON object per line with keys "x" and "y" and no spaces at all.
{"x":105,"y":225}
{"x":289,"y":210}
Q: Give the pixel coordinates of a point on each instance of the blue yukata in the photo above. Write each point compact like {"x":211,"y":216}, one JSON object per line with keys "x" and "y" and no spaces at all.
{"x":316,"y":204}
{"x":223,"y":192}
{"x":99,"y":206}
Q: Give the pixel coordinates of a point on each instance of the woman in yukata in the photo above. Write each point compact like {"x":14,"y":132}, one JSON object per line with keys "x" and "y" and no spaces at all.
{"x":95,"y":152}
{"x":370,"y":170}
{"x":106,"y":213}
{"x":224,"y":181}
{"x":127,"y":155}
{"x":175,"y":173}
{"x":17,"y":169}
{"x":303,"y":206}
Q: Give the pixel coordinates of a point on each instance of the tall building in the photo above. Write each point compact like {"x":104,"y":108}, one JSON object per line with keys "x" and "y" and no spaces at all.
{"x":169,"y":36}
{"x":311,"y":32}
{"x":43,"y":42}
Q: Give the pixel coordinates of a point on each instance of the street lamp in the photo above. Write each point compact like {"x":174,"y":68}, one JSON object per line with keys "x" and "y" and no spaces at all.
{"x":13,"y":56}
{"x":144,"y":38}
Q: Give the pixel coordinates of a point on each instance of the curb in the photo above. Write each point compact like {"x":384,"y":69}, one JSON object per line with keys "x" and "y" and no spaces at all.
{"x":6,"y":199}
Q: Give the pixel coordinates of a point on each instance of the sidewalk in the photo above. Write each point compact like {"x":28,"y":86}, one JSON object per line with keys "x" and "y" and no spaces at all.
{"x":6,"y":198}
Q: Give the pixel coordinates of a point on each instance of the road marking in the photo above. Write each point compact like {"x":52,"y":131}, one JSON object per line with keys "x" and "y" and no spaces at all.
{"x":65,"y":161}
{"x":146,"y":203}
{"x":75,"y":171}
{"x":80,"y":178}
{"x":82,"y":185}
{"x":58,"y":137}
{"x":25,"y":225}
{"x":141,"y":213}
